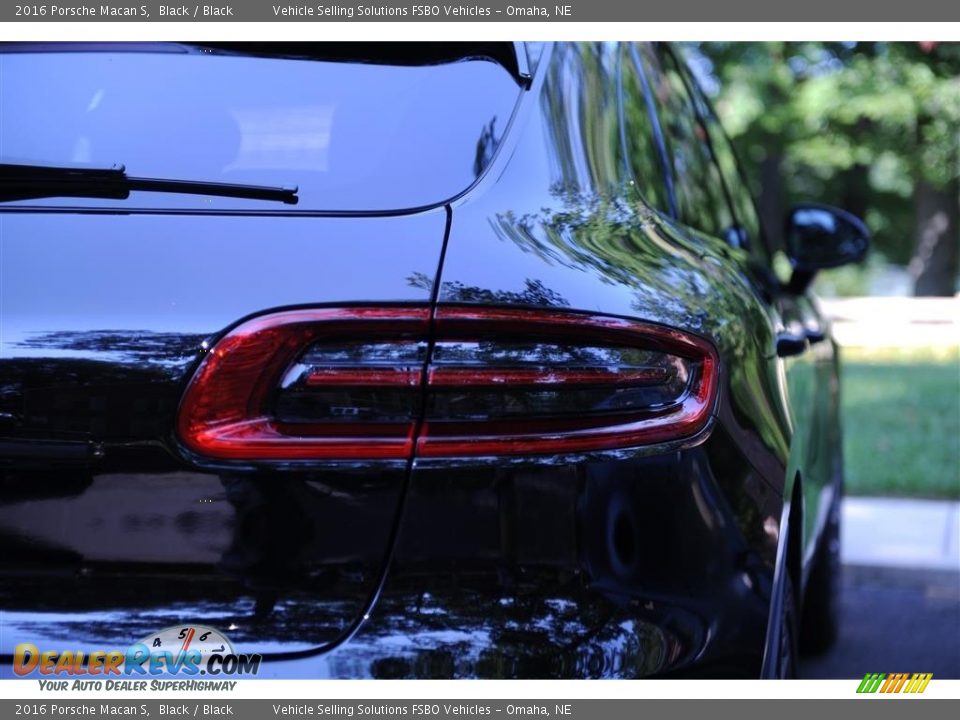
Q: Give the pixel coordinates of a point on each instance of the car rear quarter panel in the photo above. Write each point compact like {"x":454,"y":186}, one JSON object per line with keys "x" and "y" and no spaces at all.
{"x":667,"y":554}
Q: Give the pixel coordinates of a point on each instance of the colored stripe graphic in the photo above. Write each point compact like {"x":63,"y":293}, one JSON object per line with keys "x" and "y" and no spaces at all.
{"x":894,"y":683}
{"x":919,"y":682}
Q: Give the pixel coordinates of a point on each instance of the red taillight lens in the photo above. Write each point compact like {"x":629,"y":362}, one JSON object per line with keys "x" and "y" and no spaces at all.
{"x":348,"y":383}
{"x":338,"y":383}
{"x":508,"y":382}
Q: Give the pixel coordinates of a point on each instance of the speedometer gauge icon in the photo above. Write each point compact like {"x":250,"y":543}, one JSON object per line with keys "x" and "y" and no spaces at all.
{"x":181,"y":639}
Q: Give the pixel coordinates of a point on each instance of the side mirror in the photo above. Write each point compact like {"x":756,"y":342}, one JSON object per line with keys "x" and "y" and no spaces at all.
{"x":818,"y":237}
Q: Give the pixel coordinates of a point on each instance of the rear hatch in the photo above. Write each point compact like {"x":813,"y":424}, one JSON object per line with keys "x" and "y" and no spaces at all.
{"x":110,"y":529}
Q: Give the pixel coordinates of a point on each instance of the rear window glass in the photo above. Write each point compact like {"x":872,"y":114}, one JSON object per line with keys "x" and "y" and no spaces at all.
{"x":351,"y":136}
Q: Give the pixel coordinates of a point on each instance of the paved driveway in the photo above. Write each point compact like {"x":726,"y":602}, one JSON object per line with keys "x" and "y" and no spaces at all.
{"x":894,"y":620}
{"x":900,"y":601}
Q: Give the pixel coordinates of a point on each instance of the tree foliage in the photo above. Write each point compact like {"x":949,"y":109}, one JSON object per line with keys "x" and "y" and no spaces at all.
{"x":860,"y":125}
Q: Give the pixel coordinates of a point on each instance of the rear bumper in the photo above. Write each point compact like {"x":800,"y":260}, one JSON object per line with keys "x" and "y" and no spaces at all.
{"x":629,"y":567}
{"x":622,"y":568}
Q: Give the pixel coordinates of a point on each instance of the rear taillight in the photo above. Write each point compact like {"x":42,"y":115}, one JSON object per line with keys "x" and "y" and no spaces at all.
{"x":507,"y":382}
{"x":335,"y":383}
{"x":356,"y":383}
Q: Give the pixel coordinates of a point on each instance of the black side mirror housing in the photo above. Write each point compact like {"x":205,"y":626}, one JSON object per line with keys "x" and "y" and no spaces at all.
{"x":818,"y":237}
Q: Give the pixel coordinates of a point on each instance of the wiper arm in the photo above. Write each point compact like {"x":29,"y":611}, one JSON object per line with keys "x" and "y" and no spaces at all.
{"x":30,"y":182}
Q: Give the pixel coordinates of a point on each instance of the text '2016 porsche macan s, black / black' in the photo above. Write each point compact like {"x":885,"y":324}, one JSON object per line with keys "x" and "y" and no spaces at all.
{"x":408,"y":360}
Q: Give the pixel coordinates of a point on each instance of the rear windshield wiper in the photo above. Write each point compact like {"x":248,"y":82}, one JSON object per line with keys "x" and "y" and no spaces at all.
{"x":31,"y":182}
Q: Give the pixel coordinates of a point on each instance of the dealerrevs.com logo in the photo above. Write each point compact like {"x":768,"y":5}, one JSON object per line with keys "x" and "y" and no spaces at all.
{"x":181,"y":650}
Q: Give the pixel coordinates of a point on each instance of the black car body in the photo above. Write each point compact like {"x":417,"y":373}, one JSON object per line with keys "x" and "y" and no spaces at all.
{"x":508,"y":389}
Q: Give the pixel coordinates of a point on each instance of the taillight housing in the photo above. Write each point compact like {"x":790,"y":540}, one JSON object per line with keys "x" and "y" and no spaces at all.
{"x":366,"y":383}
{"x":283,"y":387}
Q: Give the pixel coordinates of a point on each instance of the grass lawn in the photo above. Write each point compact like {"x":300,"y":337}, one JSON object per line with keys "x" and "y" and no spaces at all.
{"x":901,"y":421}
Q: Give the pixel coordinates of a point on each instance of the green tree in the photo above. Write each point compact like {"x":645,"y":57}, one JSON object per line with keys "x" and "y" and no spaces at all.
{"x":873,"y":127}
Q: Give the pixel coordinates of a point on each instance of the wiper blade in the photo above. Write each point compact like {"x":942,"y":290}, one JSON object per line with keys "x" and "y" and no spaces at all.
{"x":31,"y":182}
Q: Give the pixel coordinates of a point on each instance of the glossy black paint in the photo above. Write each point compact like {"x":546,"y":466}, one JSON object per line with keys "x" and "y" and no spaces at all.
{"x":818,"y":237}
{"x":662,"y":560}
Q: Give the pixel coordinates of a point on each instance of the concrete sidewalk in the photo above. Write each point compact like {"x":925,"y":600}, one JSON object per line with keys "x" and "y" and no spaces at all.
{"x":894,"y":532}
